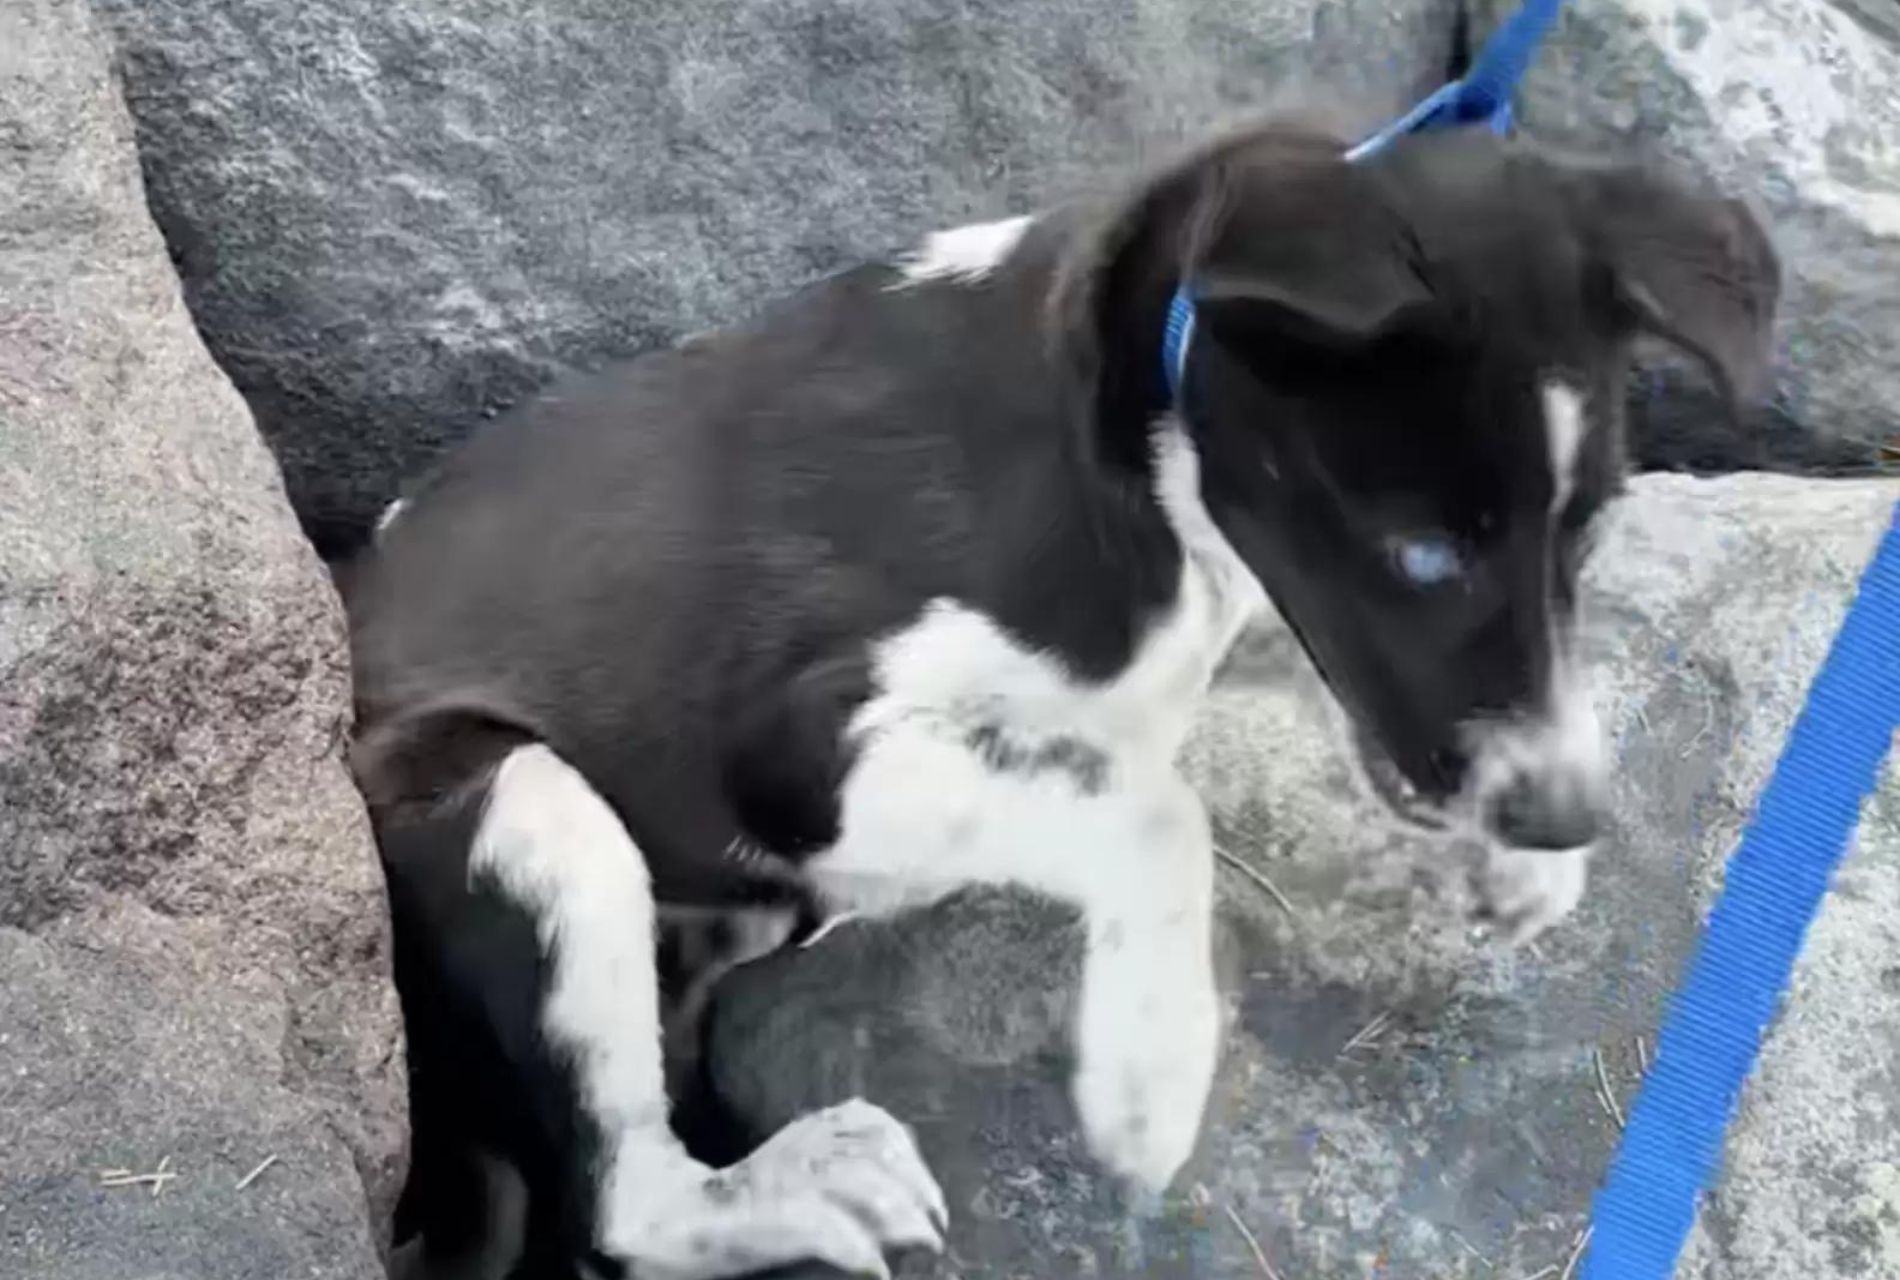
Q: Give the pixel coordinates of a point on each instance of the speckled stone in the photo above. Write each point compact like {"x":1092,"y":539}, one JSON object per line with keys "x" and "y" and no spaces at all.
{"x":193,"y":939}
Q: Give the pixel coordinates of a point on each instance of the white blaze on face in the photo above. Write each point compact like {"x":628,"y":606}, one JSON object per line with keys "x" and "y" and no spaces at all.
{"x":1558,"y":746}
{"x":964,"y":254}
{"x":1564,"y":427}
{"x":1574,"y":745}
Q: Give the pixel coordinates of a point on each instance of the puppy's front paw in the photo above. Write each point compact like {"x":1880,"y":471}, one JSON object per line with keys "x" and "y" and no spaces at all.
{"x":1142,"y":1081}
{"x":839,"y":1186}
{"x":1526,"y":891}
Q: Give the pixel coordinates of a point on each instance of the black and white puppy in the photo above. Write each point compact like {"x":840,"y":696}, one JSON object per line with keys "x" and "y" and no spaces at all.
{"x":913,"y":582}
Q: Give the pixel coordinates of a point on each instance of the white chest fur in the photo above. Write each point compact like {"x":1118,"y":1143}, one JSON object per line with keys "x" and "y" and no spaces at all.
{"x":986,"y":751}
{"x":982,"y":762}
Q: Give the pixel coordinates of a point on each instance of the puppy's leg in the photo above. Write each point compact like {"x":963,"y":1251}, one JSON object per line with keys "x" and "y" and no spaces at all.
{"x":1148,"y":1028}
{"x":467,"y":968}
{"x":925,"y":815}
{"x":838,"y":1186}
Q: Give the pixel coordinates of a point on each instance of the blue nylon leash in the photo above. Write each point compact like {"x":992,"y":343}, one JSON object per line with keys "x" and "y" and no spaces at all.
{"x":1776,"y":882}
{"x":1779,"y":875}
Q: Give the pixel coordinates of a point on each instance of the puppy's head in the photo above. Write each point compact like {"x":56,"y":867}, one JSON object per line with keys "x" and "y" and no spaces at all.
{"x":1405,"y":388}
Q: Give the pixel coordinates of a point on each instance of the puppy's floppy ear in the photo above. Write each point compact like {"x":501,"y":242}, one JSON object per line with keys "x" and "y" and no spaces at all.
{"x":1366,"y":295}
{"x":1320,"y":257}
{"x":1109,"y":304}
{"x":1688,"y":266}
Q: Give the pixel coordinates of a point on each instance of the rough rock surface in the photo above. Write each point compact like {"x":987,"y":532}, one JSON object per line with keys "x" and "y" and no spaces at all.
{"x":1797,"y":103}
{"x":394,"y":216}
{"x":1463,"y":1136}
{"x":192,"y":930}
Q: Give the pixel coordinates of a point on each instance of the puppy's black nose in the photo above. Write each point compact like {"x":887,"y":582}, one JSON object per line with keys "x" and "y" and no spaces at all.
{"x":1534,"y":813}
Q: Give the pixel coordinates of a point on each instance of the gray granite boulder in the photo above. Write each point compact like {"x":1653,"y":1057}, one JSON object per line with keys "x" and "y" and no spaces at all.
{"x":1796,"y":102}
{"x":1400,"y":1096}
{"x":193,"y":951}
{"x":395,"y":216}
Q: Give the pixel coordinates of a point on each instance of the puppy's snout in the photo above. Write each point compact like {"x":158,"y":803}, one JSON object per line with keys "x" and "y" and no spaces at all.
{"x":1551,"y":811}
{"x":1542,"y":782}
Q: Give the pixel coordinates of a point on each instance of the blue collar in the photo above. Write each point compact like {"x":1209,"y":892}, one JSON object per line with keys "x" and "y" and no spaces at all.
{"x":1175,"y":339}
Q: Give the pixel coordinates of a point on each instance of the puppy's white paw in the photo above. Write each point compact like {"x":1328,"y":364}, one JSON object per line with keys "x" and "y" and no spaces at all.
{"x":840,"y":1186}
{"x":1528,"y":890}
{"x":1142,"y":1078}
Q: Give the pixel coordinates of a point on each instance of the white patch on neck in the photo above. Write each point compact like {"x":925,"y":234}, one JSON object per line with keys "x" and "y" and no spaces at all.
{"x":1564,"y":426}
{"x":964,"y":254}
{"x":1236,"y":597}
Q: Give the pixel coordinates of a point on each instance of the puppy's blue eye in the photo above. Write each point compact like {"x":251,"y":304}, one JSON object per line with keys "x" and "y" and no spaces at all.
{"x":1426,"y":562}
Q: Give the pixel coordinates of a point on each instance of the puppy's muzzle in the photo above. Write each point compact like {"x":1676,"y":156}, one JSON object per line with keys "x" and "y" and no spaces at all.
{"x":1543,"y":782}
{"x":1560,"y":810}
